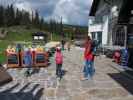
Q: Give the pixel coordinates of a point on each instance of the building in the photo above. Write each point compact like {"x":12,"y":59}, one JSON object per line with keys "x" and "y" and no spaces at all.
{"x":103,"y":22}
{"x":40,"y":37}
{"x":98,"y":30}
{"x":118,"y":15}
{"x":126,"y":19}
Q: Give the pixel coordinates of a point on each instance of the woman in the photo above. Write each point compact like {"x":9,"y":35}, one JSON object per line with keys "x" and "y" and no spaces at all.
{"x":89,"y":60}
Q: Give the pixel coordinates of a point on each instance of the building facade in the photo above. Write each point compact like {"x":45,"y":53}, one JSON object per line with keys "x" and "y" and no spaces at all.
{"x":105,"y":16}
{"x":98,"y":31}
{"x":119,"y":30}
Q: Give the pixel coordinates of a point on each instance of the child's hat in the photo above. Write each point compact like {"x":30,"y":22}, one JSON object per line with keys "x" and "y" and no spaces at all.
{"x":58,"y":48}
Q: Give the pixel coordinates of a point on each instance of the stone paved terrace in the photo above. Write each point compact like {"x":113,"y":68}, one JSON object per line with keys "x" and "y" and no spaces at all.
{"x":107,"y":84}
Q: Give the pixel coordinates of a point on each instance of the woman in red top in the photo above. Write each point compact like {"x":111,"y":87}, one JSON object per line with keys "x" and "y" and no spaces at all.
{"x":89,"y":58}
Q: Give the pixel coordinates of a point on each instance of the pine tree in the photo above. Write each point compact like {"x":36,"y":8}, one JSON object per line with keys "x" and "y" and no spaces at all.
{"x":41,"y":23}
{"x":25,"y":18}
{"x":18,"y":17}
{"x":9,"y":16}
{"x":36,"y":20}
{"x":12,"y":15}
{"x":6,"y":16}
{"x":1,"y":16}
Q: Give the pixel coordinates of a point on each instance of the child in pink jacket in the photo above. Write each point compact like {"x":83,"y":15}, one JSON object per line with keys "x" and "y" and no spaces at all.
{"x":59,"y":61}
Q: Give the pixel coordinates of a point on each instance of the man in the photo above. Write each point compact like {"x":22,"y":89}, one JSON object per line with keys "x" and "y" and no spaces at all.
{"x":62,"y":43}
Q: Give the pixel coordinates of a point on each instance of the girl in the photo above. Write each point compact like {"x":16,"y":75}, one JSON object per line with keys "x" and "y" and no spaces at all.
{"x":59,"y":61}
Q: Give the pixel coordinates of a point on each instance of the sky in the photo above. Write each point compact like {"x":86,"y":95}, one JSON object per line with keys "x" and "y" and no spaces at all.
{"x":74,"y":12}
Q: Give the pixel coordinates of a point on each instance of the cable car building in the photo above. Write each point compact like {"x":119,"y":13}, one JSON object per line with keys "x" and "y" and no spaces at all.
{"x":39,"y":37}
{"x":103,"y":22}
{"x":114,"y":20}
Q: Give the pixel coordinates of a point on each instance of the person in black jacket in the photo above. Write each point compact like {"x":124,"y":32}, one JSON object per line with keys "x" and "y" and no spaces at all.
{"x":62,"y":44}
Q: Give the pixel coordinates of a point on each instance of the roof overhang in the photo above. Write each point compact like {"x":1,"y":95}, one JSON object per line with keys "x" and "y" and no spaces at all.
{"x":94,"y":7}
{"x":125,"y":12}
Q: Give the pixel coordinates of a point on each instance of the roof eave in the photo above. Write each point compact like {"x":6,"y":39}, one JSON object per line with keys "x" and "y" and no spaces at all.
{"x":94,"y":7}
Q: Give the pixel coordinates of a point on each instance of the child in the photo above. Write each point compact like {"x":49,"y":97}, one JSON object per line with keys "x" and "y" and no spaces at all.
{"x":59,"y":61}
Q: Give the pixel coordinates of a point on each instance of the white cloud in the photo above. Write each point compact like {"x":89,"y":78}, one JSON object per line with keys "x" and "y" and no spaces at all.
{"x":72,"y":11}
{"x":24,"y":6}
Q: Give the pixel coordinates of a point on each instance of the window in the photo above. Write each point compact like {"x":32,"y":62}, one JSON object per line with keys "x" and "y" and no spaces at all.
{"x":93,"y":35}
{"x":41,"y":37}
{"x":99,"y":37}
{"x":35,"y":37}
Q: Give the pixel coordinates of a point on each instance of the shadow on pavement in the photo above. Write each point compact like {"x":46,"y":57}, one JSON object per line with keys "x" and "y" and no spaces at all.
{"x":123,"y":80}
{"x":35,"y":70}
{"x":21,"y":95}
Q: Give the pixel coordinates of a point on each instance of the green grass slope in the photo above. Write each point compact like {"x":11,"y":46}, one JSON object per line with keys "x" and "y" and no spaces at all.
{"x":16,"y":33}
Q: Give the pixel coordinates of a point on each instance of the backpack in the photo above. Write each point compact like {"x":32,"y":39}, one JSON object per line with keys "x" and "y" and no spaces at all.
{"x":93,"y":47}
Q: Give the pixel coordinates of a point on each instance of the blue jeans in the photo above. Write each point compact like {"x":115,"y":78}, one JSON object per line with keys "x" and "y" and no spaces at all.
{"x":89,"y":69}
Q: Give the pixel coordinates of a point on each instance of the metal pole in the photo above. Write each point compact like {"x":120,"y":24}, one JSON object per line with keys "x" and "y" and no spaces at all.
{"x":125,"y":42}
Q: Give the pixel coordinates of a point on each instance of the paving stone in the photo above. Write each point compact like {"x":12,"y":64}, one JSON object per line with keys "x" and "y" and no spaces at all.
{"x":81,"y":96}
{"x":107,"y":84}
{"x":87,"y":83}
{"x":102,"y":77}
{"x":74,"y":83}
{"x":123,"y":98}
{"x":106,"y":94}
{"x":50,"y":93}
{"x":74,"y":91}
{"x":62,"y":92}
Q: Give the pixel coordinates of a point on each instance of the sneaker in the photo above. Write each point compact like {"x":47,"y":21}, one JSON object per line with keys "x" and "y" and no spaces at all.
{"x":83,"y":79}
